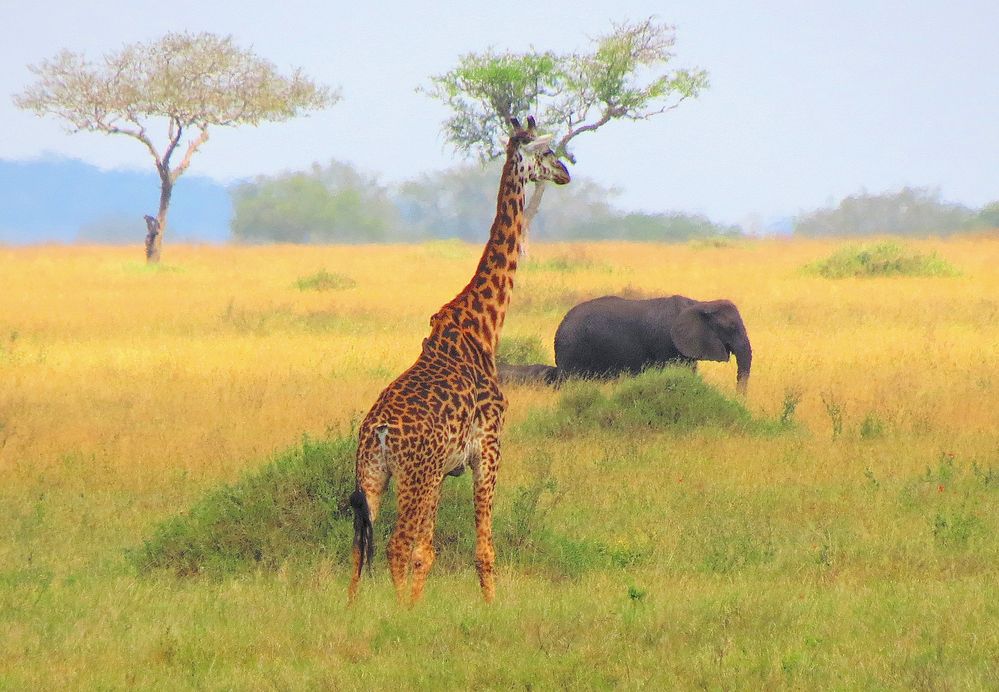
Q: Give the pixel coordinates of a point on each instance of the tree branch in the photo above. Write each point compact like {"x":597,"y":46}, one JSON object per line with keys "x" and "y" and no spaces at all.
{"x":191,"y":148}
{"x":139,"y":134}
{"x":176,"y":131}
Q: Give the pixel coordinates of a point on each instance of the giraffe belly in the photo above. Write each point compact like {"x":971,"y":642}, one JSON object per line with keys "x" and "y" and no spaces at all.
{"x":466,"y":452}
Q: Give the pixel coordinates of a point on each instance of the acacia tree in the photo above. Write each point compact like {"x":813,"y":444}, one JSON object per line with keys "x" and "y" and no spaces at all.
{"x":182,"y":84}
{"x":625,"y":76}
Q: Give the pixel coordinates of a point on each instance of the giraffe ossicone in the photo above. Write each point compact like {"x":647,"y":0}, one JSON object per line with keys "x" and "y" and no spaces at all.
{"x":445,"y":412}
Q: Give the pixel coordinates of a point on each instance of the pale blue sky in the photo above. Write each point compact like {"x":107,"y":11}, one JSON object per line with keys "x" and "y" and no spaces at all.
{"x":809,"y":101}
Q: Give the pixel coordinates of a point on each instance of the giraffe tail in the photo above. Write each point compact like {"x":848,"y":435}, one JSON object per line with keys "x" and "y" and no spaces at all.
{"x":363,"y":531}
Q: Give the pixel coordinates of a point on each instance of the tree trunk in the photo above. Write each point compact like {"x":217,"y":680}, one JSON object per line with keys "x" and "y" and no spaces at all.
{"x":530,"y":211}
{"x":154,"y":246}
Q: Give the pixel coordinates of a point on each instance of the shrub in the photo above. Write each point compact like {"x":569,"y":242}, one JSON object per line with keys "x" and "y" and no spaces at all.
{"x":872,"y":426}
{"x":294,"y":506}
{"x":323,"y":280}
{"x":882,"y":259}
{"x":521,"y":350}
{"x":673,"y":398}
{"x":295,"y":511}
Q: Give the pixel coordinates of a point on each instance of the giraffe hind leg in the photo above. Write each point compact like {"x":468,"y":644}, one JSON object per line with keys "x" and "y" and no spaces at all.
{"x":423,"y":551}
{"x":485,"y":484}
{"x":363,"y":549}
{"x":365,"y":502}
{"x":407,"y":526}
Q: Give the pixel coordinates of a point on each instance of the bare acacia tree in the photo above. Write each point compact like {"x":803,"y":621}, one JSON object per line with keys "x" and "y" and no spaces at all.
{"x":181,"y":84}
{"x":625,"y":76}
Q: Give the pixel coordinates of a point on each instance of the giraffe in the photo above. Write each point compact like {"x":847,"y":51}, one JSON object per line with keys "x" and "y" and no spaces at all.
{"x":446,"y":410}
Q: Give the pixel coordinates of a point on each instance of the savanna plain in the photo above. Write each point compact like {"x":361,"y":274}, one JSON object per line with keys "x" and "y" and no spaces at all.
{"x":847,"y":539}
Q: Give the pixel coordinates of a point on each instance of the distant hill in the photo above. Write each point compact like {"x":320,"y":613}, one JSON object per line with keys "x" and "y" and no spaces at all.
{"x":67,"y":200}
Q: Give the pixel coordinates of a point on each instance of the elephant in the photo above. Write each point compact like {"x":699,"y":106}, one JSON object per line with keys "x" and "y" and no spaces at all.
{"x":526,"y":374}
{"x":610,"y":335}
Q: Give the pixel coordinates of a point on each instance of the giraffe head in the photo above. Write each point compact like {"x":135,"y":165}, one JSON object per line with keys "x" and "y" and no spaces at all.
{"x":539,"y":161}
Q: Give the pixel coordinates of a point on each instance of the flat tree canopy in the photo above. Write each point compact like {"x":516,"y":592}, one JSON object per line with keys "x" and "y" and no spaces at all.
{"x":181,"y":84}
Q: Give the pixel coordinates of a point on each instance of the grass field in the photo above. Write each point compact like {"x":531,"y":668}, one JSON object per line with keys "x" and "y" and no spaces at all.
{"x":856,"y":549}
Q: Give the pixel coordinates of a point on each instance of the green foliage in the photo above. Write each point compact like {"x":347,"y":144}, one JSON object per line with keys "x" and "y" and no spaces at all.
{"x":192,"y":79}
{"x":955,"y":529}
{"x":295,"y":506}
{"x":485,"y":91}
{"x":295,"y":510}
{"x":989,"y":215}
{"x":792,"y":397}
{"x":455,"y":203}
{"x":625,"y":75}
{"x":184,"y":83}
{"x":881,"y":259}
{"x":910,"y":211}
{"x":326,"y":205}
{"x":834,"y":409}
{"x":668,"y":399}
{"x":872,"y":426}
{"x":521,"y":350}
{"x":673,"y":227}
{"x":458,"y":202}
{"x":323,"y":280}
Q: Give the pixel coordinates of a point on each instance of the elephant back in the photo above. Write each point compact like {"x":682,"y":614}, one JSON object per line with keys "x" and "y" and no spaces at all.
{"x":610,"y":334}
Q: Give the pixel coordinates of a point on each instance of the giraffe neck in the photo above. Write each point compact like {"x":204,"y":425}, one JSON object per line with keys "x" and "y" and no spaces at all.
{"x":481,"y":307}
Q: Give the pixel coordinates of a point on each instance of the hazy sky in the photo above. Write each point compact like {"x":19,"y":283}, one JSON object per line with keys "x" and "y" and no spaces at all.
{"x":809,"y":101}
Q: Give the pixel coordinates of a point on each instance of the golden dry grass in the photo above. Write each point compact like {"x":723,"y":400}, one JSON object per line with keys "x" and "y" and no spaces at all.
{"x":126,"y":392}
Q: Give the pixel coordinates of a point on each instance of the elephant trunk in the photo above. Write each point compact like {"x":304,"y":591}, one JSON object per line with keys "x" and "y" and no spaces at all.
{"x":744,"y":362}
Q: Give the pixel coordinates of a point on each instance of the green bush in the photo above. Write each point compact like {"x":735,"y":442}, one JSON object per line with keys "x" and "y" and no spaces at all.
{"x":521,"y":350}
{"x":673,"y":398}
{"x":882,"y":259}
{"x":295,"y":506}
{"x":295,"y":510}
{"x":323,"y":280}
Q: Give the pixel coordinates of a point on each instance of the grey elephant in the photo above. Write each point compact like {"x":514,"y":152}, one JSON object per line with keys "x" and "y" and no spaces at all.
{"x":610,"y":335}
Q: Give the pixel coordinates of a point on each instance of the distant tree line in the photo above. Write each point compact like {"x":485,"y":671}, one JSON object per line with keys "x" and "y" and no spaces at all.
{"x":338,"y":204}
{"x":909,"y":211}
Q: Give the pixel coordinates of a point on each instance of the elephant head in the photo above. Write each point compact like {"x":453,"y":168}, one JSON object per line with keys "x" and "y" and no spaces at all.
{"x":713,"y":330}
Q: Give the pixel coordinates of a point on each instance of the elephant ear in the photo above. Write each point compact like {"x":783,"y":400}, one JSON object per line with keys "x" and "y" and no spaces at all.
{"x":694,"y":336}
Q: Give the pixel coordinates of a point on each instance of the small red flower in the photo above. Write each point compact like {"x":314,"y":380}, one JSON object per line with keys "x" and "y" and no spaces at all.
{"x":940,"y":488}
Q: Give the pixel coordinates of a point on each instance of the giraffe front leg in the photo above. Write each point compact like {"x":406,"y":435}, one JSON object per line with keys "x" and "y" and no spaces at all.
{"x":485,"y":486}
{"x":423,"y":552}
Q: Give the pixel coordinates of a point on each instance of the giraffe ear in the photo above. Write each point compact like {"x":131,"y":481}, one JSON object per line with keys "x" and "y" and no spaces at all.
{"x":539,"y":143}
